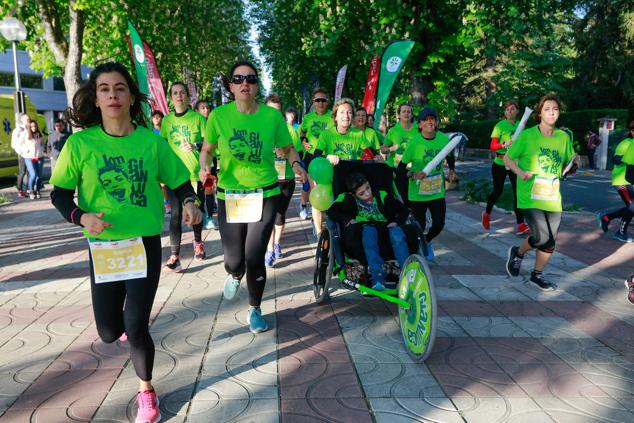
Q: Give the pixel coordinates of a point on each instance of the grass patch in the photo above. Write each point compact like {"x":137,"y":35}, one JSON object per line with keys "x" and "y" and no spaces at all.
{"x":478,"y":191}
{"x":4,"y":199}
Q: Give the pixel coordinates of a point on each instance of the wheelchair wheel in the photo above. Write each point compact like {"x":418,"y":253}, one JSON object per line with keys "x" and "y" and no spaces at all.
{"x":323,"y":267}
{"x":418,"y":322}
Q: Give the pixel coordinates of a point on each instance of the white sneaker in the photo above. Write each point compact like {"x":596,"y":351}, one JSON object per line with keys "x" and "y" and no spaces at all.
{"x":231,"y":287}
{"x":303,"y":212}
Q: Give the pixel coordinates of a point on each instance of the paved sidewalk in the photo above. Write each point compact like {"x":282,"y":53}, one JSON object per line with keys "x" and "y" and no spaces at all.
{"x":505,"y":352}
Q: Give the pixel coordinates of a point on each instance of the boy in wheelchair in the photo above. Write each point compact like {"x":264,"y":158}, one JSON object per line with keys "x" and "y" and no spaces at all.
{"x":369,"y":217}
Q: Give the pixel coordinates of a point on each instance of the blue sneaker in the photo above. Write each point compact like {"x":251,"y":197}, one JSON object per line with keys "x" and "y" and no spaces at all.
{"x":211,"y":223}
{"x":269,"y":259}
{"x":255,"y":320}
{"x":430,"y":252}
{"x":618,"y":235}
{"x":378,"y":286}
{"x":604,"y":222}
{"x":231,"y":287}
{"x":277,"y":251}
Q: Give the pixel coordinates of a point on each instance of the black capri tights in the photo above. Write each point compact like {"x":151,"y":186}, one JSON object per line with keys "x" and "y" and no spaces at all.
{"x":244,"y":246}
{"x":544,"y":227}
{"x":437,"y":209}
{"x":287,"y":188}
{"x":126,"y":306}
{"x":498,"y":174}
{"x":176,"y":219}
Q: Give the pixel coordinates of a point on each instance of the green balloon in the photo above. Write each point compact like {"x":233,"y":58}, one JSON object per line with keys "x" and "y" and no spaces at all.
{"x":321,"y":197}
{"x":321,"y":170}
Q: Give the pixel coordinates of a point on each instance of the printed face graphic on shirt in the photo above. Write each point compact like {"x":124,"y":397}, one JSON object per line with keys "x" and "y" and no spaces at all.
{"x":125,"y":181}
{"x":245,"y":145}
{"x":549,"y":160}
{"x":343,"y":150}
{"x":316,"y":128}
{"x":429,"y":156}
{"x":179,"y":134}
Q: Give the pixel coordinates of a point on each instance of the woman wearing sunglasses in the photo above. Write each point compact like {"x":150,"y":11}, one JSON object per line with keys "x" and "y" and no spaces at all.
{"x":246,"y":132}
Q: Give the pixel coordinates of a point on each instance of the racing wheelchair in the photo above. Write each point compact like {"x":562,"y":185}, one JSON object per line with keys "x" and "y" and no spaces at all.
{"x":341,"y":262}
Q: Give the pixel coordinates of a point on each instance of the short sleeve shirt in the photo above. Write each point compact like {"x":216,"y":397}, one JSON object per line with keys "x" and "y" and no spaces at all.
{"x":503,"y":130}
{"x":246,"y":143}
{"x":618,"y":171}
{"x":313,"y":125}
{"x":545,"y":158}
{"x":190,"y":128}
{"x":419,"y":152}
{"x":348,"y":146}
{"x":399,"y":136}
{"x":120,"y":177}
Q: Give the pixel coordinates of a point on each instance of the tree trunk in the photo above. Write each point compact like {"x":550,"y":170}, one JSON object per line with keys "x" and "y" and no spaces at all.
{"x":72,"y":70}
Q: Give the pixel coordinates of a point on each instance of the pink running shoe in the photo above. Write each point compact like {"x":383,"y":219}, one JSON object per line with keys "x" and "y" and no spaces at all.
{"x":149,"y":411}
{"x":123,"y":337}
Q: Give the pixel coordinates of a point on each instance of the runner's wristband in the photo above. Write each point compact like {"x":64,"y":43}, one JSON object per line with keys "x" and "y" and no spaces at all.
{"x":298,"y":162}
{"x":189,"y":200}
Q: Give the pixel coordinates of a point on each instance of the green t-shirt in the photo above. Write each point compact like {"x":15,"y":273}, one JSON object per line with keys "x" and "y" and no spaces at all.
{"x":246,"y":145}
{"x":120,"y":177}
{"x":373,"y":138}
{"x":503,"y":130}
{"x":618,"y":172}
{"x":369,"y":212}
{"x":545,"y":158}
{"x":399,"y":136}
{"x":419,"y":152}
{"x":297,"y":143}
{"x":347,"y":146}
{"x":313,"y":124}
{"x":189,"y":127}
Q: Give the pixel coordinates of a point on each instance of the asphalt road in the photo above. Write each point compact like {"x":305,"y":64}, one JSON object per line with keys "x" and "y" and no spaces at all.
{"x":590,"y":191}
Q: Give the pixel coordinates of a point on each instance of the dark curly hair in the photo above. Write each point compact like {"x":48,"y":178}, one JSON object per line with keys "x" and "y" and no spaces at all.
{"x":85,"y":112}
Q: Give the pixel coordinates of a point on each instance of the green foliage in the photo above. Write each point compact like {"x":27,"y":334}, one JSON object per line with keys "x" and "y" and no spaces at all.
{"x":477,"y":190}
{"x":4,"y":199}
{"x":579,"y":122}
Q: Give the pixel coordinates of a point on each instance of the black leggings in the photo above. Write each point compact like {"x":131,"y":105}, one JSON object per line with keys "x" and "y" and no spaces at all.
{"x":126,"y":306}
{"x":544,"y":227}
{"x":287,"y":188}
{"x":498,"y":173}
{"x":437,"y":208}
{"x":626,"y":213}
{"x":244,"y":246}
{"x":176,"y":218}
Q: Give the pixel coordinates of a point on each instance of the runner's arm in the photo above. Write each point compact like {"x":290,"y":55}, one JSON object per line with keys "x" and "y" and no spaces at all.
{"x":495,"y":144}
{"x":512,"y":164}
{"x":64,"y":202}
{"x":617,"y":160}
{"x":207,"y":150}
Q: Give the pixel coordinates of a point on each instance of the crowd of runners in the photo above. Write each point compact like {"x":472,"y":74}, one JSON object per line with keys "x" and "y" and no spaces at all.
{"x":234,"y":169}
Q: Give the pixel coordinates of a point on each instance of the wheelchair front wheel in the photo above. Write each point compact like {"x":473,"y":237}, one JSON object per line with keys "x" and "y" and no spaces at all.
{"x":418,"y":322}
{"x":323,"y":267}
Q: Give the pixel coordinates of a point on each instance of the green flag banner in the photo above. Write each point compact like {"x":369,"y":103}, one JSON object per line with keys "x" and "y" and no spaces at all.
{"x":138,"y":57}
{"x":392,"y":62}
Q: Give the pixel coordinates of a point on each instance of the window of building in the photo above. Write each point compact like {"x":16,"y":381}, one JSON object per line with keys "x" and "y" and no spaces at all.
{"x":31,"y":81}
{"x":58,"y":84}
{"x":6,"y":79}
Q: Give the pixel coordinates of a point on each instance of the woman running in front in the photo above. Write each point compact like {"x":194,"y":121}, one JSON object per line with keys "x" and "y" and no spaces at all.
{"x":399,"y":135}
{"x":500,"y":142}
{"x":426,"y":191}
{"x":184,"y":131}
{"x":116,"y":166}
{"x":246,"y":132}
{"x":538,"y":157}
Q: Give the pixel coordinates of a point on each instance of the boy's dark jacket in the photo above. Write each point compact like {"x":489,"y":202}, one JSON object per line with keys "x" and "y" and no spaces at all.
{"x":345,"y":208}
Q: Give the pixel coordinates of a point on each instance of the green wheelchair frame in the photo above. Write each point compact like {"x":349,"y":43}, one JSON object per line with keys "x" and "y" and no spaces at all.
{"x":414,"y":294}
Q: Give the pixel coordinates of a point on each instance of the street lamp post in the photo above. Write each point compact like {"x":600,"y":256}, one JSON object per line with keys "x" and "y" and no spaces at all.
{"x":13,"y":30}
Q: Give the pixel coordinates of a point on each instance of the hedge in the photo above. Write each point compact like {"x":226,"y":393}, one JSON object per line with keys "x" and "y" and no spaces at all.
{"x":580,"y":122}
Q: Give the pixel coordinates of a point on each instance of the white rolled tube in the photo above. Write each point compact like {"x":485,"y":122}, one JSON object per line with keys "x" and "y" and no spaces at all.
{"x":522,"y":124}
{"x":441,"y":155}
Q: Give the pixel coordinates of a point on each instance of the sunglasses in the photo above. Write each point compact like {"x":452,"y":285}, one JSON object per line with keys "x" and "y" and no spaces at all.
{"x":321,"y":100}
{"x":239,"y":79}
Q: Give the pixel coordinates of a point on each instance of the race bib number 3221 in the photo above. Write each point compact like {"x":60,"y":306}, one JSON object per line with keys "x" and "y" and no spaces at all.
{"x":118,"y":260}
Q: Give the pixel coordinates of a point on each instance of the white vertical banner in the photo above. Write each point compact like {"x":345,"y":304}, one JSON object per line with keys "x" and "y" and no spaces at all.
{"x":341,"y":77}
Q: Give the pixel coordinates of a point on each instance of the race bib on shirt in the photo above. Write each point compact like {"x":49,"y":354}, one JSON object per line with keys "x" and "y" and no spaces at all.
{"x":244,"y":206}
{"x":545,"y":188}
{"x":118,"y":260}
{"x":430,"y":185}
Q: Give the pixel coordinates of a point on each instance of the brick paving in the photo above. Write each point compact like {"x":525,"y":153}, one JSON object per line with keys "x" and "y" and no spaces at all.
{"x":505,"y":352}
